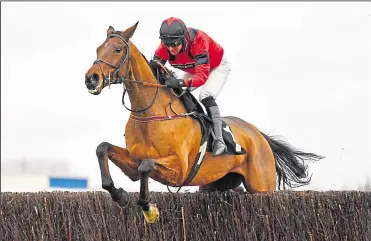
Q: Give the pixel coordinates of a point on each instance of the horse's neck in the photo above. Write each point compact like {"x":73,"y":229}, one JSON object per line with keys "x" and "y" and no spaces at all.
{"x":142,"y":96}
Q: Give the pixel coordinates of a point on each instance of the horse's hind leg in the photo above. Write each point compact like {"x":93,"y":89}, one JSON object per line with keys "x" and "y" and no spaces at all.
{"x":120,"y":157}
{"x":259,"y":170}
{"x":230,"y":181}
{"x":259,"y":178}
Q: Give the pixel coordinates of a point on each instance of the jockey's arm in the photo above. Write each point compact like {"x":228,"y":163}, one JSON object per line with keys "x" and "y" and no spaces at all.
{"x":200,"y":51}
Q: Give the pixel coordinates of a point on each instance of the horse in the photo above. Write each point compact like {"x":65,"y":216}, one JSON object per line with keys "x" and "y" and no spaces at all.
{"x":165,"y":148}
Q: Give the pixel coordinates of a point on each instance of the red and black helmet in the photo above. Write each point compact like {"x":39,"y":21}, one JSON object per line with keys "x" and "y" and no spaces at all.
{"x":173,"y":30}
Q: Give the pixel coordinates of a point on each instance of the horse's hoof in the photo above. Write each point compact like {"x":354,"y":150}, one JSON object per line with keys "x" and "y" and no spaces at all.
{"x":152,"y":215}
{"x":121,"y":198}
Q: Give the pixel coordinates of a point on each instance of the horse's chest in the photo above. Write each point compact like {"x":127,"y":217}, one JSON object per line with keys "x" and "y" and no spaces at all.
{"x":148,"y":143}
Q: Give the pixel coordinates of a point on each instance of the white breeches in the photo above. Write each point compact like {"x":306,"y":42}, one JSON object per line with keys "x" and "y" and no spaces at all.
{"x":215,"y":82}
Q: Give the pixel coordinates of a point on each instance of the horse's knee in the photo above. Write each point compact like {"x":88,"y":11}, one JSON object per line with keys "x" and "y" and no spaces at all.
{"x":102,"y":148}
{"x":146,"y":167}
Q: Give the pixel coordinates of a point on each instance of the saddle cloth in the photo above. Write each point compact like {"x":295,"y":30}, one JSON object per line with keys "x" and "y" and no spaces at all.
{"x":193,"y":105}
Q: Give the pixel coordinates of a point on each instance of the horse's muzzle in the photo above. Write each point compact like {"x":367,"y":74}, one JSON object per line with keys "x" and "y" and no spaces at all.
{"x":92,"y":81}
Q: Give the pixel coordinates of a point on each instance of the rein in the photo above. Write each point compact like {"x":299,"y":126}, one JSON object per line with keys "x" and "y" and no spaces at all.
{"x":118,"y":79}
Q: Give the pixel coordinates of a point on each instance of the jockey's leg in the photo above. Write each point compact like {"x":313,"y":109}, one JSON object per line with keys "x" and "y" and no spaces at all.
{"x":209,"y":92}
{"x":212,"y":109}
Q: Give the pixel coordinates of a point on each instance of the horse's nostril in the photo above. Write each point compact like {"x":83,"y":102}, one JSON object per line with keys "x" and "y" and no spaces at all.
{"x":95,"y":77}
{"x":92,"y":79}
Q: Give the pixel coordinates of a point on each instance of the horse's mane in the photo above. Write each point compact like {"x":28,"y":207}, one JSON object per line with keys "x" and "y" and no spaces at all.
{"x":162,"y":77}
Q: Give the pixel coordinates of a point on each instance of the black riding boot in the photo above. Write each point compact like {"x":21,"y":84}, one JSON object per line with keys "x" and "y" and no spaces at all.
{"x":212,"y":109}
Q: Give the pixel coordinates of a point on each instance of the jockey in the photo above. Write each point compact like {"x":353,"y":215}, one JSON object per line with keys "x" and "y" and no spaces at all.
{"x":194,"y":52}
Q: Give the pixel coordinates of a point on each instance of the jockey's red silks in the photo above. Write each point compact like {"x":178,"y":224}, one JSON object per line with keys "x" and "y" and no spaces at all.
{"x":199,"y":57}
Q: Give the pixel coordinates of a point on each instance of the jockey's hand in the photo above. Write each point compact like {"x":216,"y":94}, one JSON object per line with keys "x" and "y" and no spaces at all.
{"x":175,"y":83}
{"x":154,"y":64}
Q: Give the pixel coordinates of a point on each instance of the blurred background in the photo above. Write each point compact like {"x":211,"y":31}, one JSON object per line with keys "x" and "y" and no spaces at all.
{"x":300,"y":70}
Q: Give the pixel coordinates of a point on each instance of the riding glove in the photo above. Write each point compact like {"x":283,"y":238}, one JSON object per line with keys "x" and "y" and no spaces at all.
{"x":175,"y":83}
{"x":154,"y":64}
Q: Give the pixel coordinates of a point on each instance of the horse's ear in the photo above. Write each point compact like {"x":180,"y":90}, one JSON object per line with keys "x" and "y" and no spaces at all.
{"x":110,"y":30}
{"x":128,"y":33}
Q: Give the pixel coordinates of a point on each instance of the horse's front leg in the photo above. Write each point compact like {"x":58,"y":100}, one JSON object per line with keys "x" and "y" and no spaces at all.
{"x":120,"y":157}
{"x":150,"y":211}
{"x":167,"y":170}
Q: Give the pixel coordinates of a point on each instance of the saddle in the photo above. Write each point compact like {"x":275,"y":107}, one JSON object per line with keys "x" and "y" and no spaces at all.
{"x":193,"y":106}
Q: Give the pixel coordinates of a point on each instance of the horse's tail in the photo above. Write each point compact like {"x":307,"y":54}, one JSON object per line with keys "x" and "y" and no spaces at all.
{"x":291,"y":166}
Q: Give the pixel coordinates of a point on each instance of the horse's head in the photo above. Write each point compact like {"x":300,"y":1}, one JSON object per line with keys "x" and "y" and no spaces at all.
{"x":113,"y":61}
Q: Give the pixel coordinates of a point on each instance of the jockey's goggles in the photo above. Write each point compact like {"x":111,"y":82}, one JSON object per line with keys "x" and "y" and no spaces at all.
{"x":173,"y":45}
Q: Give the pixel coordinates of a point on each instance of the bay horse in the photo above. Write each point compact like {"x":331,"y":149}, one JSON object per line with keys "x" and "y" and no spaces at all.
{"x":164,"y":148}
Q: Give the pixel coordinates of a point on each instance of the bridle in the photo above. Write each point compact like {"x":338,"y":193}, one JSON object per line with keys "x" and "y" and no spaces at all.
{"x":116,"y":73}
{"x":118,"y":79}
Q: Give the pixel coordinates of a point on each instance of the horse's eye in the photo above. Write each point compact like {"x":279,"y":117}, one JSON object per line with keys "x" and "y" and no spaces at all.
{"x":118,"y":50}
